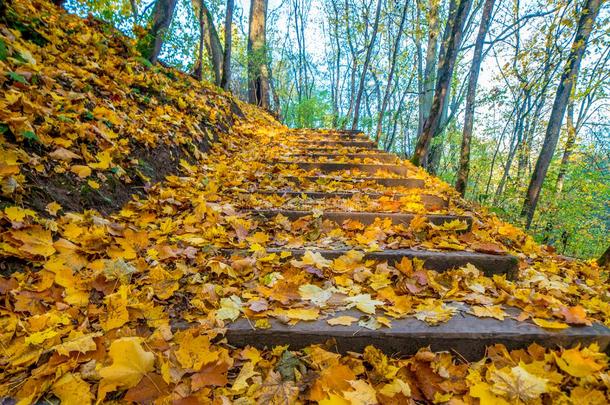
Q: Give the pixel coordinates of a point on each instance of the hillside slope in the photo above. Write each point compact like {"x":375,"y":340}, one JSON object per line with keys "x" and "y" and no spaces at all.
{"x":130,"y":256}
{"x":86,"y":122}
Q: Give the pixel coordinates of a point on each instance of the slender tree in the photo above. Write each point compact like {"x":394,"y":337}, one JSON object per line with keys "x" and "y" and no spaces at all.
{"x":452,"y":40}
{"x":427,"y":76}
{"x":258,"y":71}
{"x":162,"y":15}
{"x":226,"y":60}
{"x":590,"y":10}
{"x":569,"y":148}
{"x":475,"y":67}
{"x":388,"y":87}
{"x":367,"y":61}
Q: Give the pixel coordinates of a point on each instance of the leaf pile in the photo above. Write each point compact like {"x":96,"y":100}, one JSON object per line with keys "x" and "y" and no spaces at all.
{"x":133,"y":305}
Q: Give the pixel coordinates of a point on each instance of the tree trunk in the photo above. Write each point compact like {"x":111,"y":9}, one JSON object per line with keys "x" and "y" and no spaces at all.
{"x":475,"y":67}
{"x":212,"y":43}
{"x":453,"y":38}
{"x":162,"y":15}
{"x":388,"y":88}
{"x":427,"y":94}
{"x":590,"y":11}
{"x":567,"y":152}
{"x":258,"y":71}
{"x":198,"y":70}
{"x":225,"y":82}
{"x":367,"y":60}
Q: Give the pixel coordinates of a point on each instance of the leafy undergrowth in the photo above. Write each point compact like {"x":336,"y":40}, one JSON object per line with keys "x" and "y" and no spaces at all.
{"x":94,"y":292}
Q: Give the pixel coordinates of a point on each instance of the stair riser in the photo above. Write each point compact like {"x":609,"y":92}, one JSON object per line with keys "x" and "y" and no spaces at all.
{"x":336,"y":167}
{"x":365,"y":218}
{"x":430,"y":202}
{"x":388,"y":182}
{"x":439,"y":261}
{"x":355,"y":144}
{"x":335,"y":156}
{"x":465,"y":334}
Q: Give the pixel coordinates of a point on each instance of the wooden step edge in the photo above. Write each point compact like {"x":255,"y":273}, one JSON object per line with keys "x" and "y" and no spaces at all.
{"x":384,"y":181}
{"x":434,"y":260}
{"x":381,"y":157}
{"x":365,"y":218}
{"x":335,"y":149}
{"x":369,"y":143}
{"x":331,"y":137}
{"x":465,"y":334}
{"x":430,"y":201}
{"x":330,"y":167}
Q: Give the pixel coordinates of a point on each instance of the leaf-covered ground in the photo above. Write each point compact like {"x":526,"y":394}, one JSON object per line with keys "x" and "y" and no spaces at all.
{"x":93,"y":290}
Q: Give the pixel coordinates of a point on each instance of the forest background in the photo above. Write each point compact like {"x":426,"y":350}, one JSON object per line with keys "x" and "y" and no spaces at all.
{"x":374,"y":65}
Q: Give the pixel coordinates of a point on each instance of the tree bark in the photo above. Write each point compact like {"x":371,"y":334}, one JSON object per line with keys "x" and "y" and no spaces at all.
{"x":198,"y":70}
{"x":453,"y":38}
{"x":365,"y":66}
{"x":567,"y":152}
{"x":225,"y":81}
{"x":475,"y":67}
{"x":162,"y":16}
{"x":212,"y":43}
{"x":427,"y":87}
{"x":258,"y":70}
{"x":589,"y":13}
{"x":388,"y":88}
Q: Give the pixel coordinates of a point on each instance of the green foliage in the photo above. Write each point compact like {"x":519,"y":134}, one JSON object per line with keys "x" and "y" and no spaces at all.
{"x":308,"y":113}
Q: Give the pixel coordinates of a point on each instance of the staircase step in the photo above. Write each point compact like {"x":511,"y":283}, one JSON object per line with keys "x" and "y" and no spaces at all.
{"x":329,"y":167}
{"x":388,"y":182}
{"x":333,"y":137}
{"x":430,"y":201}
{"x":433,"y":260}
{"x":365,"y":218}
{"x":308,"y":150}
{"x":337,"y":132}
{"x":381,"y":157}
{"x":355,"y":144}
{"x":465,"y":334}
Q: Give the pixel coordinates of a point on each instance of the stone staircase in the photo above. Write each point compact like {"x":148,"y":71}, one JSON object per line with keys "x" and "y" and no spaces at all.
{"x":338,"y":167}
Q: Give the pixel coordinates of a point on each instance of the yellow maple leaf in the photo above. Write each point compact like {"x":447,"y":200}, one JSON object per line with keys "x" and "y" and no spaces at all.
{"x":311,"y":258}
{"x":581,"y":362}
{"x":455,"y":225}
{"x":246,"y":372}
{"x":363,"y":393}
{"x":491,"y":311}
{"x":194,"y":352}
{"x":397,"y":386}
{"x":129,"y":364}
{"x":18,"y":214}
{"x":516,"y":383}
{"x":104,"y":160}
{"x":81,"y":171}
{"x":93,"y":184}
{"x":116,"y":306}
{"x":52,"y":208}
{"x":301,"y":314}
{"x":363,"y":302}
{"x":36,"y":241}
{"x":342,"y":320}
{"x":72,"y":390}
{"x":543,"y":323}
{"x":482,"y":391}
{"x":77,"y":341}
{"x":434,"y":311}
{"x":260,"y":238}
